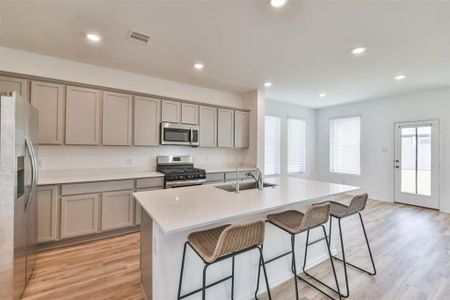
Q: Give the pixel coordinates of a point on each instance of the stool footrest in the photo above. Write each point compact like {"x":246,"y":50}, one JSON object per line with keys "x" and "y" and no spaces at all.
{"x":277,"y":257}
{"x":316,"y":241}
{"x":208,"y":286}
{"x":352,"y":265}
{"x":322,"y":283}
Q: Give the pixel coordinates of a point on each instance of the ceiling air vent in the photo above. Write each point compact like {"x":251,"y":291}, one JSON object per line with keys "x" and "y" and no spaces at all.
{"x":139,"y":37}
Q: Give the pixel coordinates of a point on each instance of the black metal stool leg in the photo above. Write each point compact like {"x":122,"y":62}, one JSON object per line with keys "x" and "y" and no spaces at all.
{"x":329,"y":231}
{"x":337,"y":291}
{"x":232,"y":278}
{"x":265,"y":273}
{"x":331,"y":261}
{"x":182,"y":269}
{"x":343,"y":260}
{"x":259,"y":275}
{"x":368,"y":247}
{"x":204,"y":282}
{"x":294,"y":267}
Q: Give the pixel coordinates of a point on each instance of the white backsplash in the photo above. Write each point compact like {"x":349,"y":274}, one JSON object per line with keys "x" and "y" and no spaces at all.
{"x":53,"y":158}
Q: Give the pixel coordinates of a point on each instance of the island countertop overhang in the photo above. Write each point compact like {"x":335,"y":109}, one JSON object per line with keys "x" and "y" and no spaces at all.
{"x":183,"y":209}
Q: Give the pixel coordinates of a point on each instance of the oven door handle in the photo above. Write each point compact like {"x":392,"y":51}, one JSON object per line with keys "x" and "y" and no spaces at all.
{"x":180,"y":183}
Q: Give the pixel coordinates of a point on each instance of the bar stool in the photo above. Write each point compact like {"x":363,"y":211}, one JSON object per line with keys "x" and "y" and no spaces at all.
{"x":220,"y":243}
{"x":340,"y":211}
{"x":295,"y":222}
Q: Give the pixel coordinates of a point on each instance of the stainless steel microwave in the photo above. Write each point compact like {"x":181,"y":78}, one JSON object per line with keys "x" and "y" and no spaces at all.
{"x":179,"y":134}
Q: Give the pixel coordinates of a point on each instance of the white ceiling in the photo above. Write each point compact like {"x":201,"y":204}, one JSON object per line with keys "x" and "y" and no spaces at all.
{"x":303,"y":48}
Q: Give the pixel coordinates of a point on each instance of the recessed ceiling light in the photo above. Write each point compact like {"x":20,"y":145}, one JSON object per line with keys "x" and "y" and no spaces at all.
{"x":399,"y":77}
{"x":93,"y":37}
{"x":199,"y":66}
{"x":322,"y":95}
{"x":278,"y":3}
{"x":359,"y":50}
{"x":267,"y":84}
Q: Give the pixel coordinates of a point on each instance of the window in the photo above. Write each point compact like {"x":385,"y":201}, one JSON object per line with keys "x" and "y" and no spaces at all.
{"x":296,"y":146}
{"x":345,"y":138}
{"x":272,"y":145}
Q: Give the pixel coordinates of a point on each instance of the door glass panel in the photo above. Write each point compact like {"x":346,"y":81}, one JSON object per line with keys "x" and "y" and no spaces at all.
{"x":408,"y":160}
{"x":424,"y":161}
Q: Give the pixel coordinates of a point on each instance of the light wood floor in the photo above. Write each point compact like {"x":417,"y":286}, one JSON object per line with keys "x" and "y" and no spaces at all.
{"x":411,"y":248}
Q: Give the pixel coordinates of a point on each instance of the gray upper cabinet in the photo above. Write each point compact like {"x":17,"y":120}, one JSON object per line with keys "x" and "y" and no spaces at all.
{"x":49,"y":99}
{"x":170,"y":111}
{"x":225,"y":128}
{"x":82,"y":116}
{"x":147,"y":112}
{"x":117,"y":119}
{"x":208,"y":126}
{"x":11,"y":84}
{"x":189,"y":113}
{"x":241,"y":129}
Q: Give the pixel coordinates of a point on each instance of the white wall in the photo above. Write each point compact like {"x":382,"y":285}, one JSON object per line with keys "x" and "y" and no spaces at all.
{"x":285,"y":110}
{"x":377,"y":134}
{"x":12,"y":60}
{"x":71,"y":157}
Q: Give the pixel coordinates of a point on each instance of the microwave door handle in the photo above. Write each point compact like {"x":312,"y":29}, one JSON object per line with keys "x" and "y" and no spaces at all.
{"x":191,"y":138}
{"x":32,"y":153}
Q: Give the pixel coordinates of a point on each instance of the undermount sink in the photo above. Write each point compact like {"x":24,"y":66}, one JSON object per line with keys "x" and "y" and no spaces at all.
{"x":243,"y":186}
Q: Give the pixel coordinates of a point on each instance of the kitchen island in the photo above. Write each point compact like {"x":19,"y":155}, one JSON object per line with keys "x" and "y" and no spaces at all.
{"x":168,"y":216}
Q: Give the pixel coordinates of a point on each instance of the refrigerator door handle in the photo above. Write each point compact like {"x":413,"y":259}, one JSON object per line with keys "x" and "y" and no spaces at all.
{"x":30,"y":148}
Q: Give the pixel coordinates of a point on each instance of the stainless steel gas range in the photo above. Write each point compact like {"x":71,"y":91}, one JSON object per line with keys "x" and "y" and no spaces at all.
{"x":179,"y":171}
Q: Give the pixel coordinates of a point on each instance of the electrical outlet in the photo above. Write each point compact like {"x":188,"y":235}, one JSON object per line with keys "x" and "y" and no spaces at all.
{"x":129,"y":161}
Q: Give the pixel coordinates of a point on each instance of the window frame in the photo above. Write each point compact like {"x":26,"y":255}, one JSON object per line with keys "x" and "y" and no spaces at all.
{"x":287,"y":145}
{"x":360,"y":143}
{"x":280,"y":145}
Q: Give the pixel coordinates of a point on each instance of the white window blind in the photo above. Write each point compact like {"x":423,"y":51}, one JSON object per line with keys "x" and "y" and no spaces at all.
{"x":345,"y":143}
{"x":272,"y":128}
{"x":296,"y":133}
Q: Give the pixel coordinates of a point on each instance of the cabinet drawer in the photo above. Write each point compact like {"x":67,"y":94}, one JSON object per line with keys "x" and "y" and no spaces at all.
{"x":96,"y":187}
{"x":154,"y":182}
{"x":214,"y":177}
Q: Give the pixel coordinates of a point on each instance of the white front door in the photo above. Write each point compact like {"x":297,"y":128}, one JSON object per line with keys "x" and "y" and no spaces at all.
{"x":416,"y":163}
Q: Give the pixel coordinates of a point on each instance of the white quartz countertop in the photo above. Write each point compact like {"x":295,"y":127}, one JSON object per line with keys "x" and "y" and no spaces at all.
{"x":90,"y":175}
{"x":182,"y":209}
{"x":77,"y":176}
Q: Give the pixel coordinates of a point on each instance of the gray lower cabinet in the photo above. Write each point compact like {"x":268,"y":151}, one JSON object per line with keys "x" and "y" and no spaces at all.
{"x":79,"y":215}
{"x":117,"y":210}
{"x":48,"y":213}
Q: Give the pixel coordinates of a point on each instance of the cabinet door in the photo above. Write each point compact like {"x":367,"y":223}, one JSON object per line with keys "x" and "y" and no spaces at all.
{"x":117,"y":210}
{"x":117,"y":118}
{"x":48,"y":208}
{"x":82,"y":116}
{"x":79,"y":215}
{"x":11,"y":84}
{"x":170,"y":111}
{"x":241,"y":129}
{"x":147,"y":112}
{"x":189,"y":113}
{"x":208,"y":126}
{"x":225,"y":127}
{"x":49,"y":100}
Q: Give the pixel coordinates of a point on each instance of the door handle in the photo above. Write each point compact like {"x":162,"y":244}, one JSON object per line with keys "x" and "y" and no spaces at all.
{"x":32,"y":153}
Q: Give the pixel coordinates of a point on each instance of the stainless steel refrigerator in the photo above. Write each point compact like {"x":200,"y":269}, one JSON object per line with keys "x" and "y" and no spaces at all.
{"x":18,"y":201}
